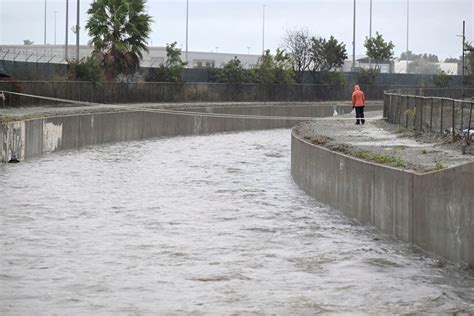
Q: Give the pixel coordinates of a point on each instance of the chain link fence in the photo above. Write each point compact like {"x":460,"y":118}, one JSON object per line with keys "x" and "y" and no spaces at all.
{"x":444,"y":111}
{"x":23,"y":56}
{"x":160,"y":92}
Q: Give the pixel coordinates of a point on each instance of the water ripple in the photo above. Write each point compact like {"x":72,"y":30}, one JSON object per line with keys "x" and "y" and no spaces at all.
{"x":199,"y":225}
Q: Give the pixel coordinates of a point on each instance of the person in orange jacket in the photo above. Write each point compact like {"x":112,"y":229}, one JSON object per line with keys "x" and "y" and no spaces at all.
{"x":358,"y":101}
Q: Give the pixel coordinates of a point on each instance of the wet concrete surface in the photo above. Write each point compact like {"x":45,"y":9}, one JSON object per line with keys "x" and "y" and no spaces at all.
{"x":376,"y":137}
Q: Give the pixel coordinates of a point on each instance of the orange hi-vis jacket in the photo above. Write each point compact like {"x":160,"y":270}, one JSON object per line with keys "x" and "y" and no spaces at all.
{"x":358,"y":97}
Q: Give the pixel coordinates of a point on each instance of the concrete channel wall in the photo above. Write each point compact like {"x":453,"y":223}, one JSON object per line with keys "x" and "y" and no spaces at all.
{"x":30,"y":138}
{"x":434,"y":211}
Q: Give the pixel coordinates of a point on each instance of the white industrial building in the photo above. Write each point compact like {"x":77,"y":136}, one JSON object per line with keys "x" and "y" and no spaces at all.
{"x":155,"y":57}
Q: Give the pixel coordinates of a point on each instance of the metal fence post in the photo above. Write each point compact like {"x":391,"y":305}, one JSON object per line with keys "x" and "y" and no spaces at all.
{"x":431,"y":115}
{"x":453,"y":122}
{"x":388,"y":111}
{"x":399,"y":109}
{"x":421,"y":113}
{"x":469,"y":127}
{"x":406,"y":112}
{"x":415,"y":113}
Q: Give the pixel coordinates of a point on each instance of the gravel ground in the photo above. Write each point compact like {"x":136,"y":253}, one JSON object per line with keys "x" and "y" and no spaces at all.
{"x":381,"y":142}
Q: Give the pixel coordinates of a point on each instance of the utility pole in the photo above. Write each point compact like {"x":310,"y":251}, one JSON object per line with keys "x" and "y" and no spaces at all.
{"x":78,"y":27}
{"x":66,"y":46}
{"x":354,"y":38}
{"x":463,"y":54}
{"x":45,"y":22}
{"x":187,"y":24}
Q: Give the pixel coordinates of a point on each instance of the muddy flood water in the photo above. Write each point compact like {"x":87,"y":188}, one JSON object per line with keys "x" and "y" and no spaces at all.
{"x":204,"y":225}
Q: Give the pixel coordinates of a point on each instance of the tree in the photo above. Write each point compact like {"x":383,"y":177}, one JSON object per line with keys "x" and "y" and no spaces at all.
{"x":367,"y":76}
{"x":452,"y":60}
{"x":378,"y":49}
{"x":119,"y":30}
{"x":442,"y":80}
{"x":85,"y":69}
{"x":407,"y":55}
{"x":327,"y":55}
{"x":233,"y":72}
{"x":298,"y":43}
{"x":27,"y":42}
{"x":274,"y":69}
{"x":171,"y":70}
{"x":428,"y":57}
{"x":333,"y":54}
{"x":271,"y":69}
{"x":173,"y":56}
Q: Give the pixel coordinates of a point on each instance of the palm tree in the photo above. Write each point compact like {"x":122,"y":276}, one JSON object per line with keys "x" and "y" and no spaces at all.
{"x":119,"y":30}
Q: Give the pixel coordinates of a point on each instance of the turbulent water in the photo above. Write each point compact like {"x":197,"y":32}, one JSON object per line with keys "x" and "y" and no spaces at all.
{"x":204,"y":225}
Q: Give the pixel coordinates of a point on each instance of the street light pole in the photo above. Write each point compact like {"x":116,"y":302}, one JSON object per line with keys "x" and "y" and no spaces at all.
{"x":370,"y":24}
{"x":45,"y":22}
{"x":408,"y":24}
{"x":66,"y":46}
{"x":354,"y":37}
{"x":263,"y":30}
{"x":370,"y":31}
{"x":78,"y":27}
{"x":55,"y":13}
{"x":187,"y":29}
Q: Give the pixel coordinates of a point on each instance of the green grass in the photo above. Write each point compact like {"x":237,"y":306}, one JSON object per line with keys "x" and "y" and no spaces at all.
{"x":424,"y":151}
{"x":438,"y":166}
{"x":393,"y":161}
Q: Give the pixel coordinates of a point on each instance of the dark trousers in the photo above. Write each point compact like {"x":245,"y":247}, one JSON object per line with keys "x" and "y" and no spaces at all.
{"x":359,"y":114}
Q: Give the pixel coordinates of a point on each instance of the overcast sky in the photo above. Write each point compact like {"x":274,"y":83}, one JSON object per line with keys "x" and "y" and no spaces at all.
{"x":236,"y":26}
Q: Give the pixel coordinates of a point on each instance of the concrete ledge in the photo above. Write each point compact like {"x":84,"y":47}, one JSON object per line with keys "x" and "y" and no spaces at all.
{"x":434,"y":211}
{"x":31,"y":138}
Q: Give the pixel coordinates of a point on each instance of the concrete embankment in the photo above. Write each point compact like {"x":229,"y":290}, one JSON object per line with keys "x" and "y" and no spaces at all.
{"x":432,"y":210}
{"x":55,"y":129}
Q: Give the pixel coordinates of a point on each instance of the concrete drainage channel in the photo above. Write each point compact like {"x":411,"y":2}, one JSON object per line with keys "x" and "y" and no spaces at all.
{"x":427,"y":210}
{"x":434,"y":210}
{"x":30,"y":138}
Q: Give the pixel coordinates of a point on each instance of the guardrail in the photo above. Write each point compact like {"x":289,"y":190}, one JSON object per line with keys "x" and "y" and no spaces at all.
{"x":445,"y":111}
